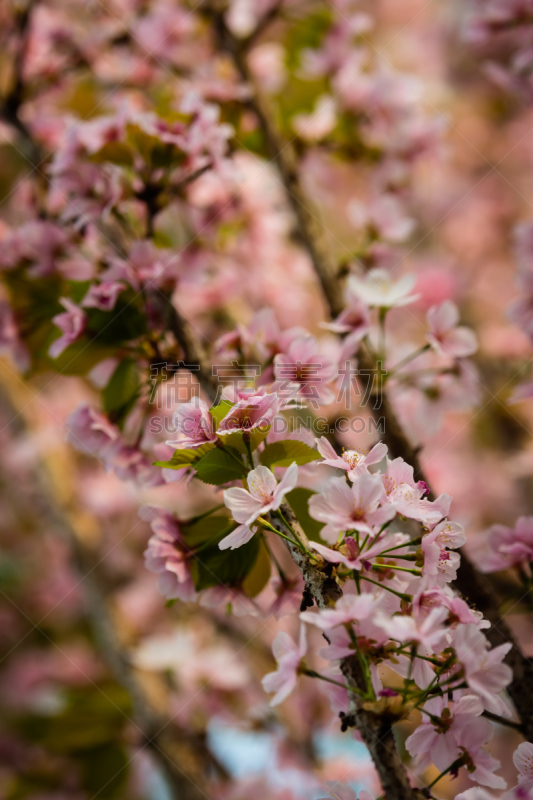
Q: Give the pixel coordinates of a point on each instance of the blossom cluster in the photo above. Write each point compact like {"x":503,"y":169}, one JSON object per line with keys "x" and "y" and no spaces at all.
{"x":157,"y":243}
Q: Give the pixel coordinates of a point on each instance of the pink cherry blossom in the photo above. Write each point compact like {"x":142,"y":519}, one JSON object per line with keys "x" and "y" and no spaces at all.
{"x":426,"y":630}
{"x":265,"y":494}
{"x":167,"y":556}
{"x":436,"y":546}
{"x":72,"y":324}
{"x":408,"y":496}
{"x":90,"y":431}
{"x":461,"y":729}
{"x":509,"y":547}
{"x":475,"y":793}
{"x":194,"y":424}
{"x":341,"y":791}
{"x":354,"y":461}
{"x":289,"y":657}
{"x":103,"y":296}
{"x":319,"y":123}
{"x":130,"y":464}
{"x":344,"y":508}
{"x":251,"y":412}
{"x":349,"y":608}
{"x":383,"y":214}
{"x":484,"y":671}
{"x":354,"y":320}
{"x":523,"y":761}
{"x":302,"y":368}
{"x":445,"y":336}
{"x":459,"y":610}
{"x":377,"y":289}
{"x":353,"y":557}
{"x":340,"y":644}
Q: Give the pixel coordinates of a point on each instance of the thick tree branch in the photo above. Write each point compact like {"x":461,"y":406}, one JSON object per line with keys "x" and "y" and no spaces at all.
{"x":474,"y":587}
{"x":375,"y":729}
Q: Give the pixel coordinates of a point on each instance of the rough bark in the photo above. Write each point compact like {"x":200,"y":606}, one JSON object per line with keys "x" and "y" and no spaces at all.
{"x":375,"y":729}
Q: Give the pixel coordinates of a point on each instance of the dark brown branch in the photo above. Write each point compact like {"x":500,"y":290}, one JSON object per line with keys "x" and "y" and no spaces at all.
{"x":507,"y":723}
{"x":473,"y":586}
{"x":375,"y":729}
{"x":11,"y":103}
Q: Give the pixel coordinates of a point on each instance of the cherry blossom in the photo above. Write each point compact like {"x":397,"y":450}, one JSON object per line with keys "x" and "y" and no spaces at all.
{"x":348,"y":608}
{"x":71,"y":322}
{"x":436,"y":546}
{"x":355,"y":558}
{"x":353,"y":461}
{"x":445,"y":336}
{"x":194,"y":424}
{"x":523,"y":761}
{"x":427,"y":630}
{"x":103,"y":296}
{"x":508,"y":547}
{"x":408,"y":496}
{"x":264,"y":494}
{"x":459,"y":732}
{"x":167,"y":556}
{"x":303,"y":367}
{"x":377,"y":289}
{"x":362,"y":506}
{"x":90,"y":431}
{"x":486,"y":674}
{"x":341,"y":791}
{"x":289,"y":657}
{"x":251,"y":412}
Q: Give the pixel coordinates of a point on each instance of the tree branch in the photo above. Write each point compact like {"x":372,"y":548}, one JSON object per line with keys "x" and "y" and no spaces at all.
{"x":375,"y":729}
{"x":474,"y":587}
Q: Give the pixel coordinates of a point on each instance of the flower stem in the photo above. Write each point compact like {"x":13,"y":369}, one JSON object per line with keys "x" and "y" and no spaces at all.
{"x":456,"y":764}
{"x":406,"y":597}
{"x":291,"y":529}
{"x":194,"y":520}
{"x":407,"y":360}
{"x":312,"y":674}
{"x":270,"y":527}
{"x":386,"y":567}
{"x":405,"y":544}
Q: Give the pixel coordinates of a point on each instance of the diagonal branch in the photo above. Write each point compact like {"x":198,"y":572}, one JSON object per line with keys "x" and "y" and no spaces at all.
{"x":476,"y":588}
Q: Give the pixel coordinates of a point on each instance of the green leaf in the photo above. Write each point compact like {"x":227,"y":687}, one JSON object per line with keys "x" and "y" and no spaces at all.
{"x":77,"y":290}
{"x":185,"y":458}
{"x":298,"y":500}
{"x":122,"y":391}
{"x":196,"y":533}
{"x":219,"y":411}
{"x":259,"y":575}
{"x":115,"y":152}
{"x":105,"y":771}
{"x":236,"y":439}
{"x":220,"y":466}
{"x":213,"y":566}
{"x":283,"y":454}
{"x":123,"y":324}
